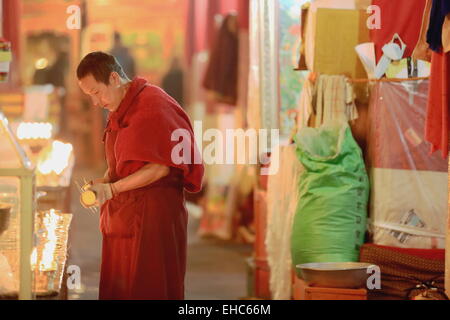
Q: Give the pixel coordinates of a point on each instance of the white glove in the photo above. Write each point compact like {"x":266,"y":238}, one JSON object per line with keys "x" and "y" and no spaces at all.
{"x":103,"y":192}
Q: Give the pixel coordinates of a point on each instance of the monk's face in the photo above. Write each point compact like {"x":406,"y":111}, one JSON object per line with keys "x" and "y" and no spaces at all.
{"x":107,"y":96}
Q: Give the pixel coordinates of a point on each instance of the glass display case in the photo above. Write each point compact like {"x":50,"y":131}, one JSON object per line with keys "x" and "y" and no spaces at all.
{"x":33,"y":241}
{"x":17,"y":207}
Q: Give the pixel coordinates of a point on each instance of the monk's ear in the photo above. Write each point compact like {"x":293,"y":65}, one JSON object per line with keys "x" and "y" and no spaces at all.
{"x":114,"y":79}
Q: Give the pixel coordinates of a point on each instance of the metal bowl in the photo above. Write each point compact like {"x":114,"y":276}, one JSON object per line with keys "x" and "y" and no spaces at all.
{"x":5,"y":215}
{"x":335,"y":274}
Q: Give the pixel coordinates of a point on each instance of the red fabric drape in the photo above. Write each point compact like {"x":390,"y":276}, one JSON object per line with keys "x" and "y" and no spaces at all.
{"x":214,"y":8}
{"x":439,"y":103}
{"x":196,"y":25}
{"x":11,"y":32}
{"x":226,"y":6}
{"x":244,"y":14}
{"x":400,"y":16}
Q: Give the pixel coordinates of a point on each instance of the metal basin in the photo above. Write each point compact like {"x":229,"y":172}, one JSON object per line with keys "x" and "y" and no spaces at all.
{"x":335,"y":274}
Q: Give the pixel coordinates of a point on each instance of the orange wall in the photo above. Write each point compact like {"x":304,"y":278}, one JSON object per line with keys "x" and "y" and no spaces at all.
{"x":153,"y":29}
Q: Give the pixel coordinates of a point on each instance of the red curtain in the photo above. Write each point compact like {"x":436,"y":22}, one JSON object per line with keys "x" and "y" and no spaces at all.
{"x":200,"y":21}
{"x":244,"y":14}
{"x":195,"y":29}
{"x":226,"y":6}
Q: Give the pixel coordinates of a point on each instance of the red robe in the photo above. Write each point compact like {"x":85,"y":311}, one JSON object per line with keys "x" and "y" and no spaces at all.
{"x":145,"y":230}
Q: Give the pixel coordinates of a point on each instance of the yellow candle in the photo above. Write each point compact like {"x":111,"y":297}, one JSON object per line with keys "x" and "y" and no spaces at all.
{"x":88,"y":198}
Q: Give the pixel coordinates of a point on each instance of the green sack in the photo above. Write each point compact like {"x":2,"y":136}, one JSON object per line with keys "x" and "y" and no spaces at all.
{"x":330,"y":221}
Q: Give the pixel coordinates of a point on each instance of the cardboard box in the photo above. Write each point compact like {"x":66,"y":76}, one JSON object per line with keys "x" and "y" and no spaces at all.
{"x":362,"y":4}
{"x":337,"y":33}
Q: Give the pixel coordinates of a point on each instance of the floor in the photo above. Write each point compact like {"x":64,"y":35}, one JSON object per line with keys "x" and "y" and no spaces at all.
{"x":216,"y":270}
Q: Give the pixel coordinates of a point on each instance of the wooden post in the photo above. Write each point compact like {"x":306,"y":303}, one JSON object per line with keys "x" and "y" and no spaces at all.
{"x":1,"y":18}
{"x":26,"y":235}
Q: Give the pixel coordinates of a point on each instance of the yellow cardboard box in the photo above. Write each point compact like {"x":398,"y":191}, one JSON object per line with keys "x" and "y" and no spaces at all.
{"x":338,"y":31}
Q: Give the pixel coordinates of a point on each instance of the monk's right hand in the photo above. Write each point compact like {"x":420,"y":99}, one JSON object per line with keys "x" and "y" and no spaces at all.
{"x":103,"y":192}
{"x":99,"y":181}
{"x":88,"y":185}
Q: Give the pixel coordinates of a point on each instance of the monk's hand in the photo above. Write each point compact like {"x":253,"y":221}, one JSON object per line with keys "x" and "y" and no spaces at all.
{"x":89,"y":184}
{"x":103,"y":191}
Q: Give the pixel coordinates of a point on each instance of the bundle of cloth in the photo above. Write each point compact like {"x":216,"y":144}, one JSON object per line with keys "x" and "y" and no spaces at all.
{"x":406,"y":273}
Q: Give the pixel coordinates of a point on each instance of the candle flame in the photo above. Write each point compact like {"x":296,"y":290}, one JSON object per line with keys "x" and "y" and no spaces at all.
{"x":34,"y":130}
{"x":46,"y":260}
{"x":56,"y":159}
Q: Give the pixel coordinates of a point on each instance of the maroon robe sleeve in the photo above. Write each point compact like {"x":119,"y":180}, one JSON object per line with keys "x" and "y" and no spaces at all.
{"x":146,"y":137}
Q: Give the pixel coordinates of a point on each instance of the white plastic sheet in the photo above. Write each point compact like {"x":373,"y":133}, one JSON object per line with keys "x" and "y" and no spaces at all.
{"x":409,"y":186}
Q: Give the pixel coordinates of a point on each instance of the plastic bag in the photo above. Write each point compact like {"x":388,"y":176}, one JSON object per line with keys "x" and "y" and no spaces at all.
{"x":330,"y":221}
{"x":409,"y":185}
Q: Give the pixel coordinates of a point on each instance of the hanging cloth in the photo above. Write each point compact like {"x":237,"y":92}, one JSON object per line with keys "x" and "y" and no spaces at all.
{"x":446,"y":34}
{"x":282,"y":200}
{"x":422,"y":50}
{"x":436,"y":130}
{"x":222,"y":73}
{"x":335,"y":100}
{"x":439,"y":10}
{"x":305,"y":107}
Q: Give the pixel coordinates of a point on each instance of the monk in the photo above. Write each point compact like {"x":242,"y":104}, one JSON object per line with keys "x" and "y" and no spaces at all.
{"x":143,"y":216}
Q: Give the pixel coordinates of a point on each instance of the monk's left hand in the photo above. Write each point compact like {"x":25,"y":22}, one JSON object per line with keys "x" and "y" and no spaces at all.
{"x":103,"y":191}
